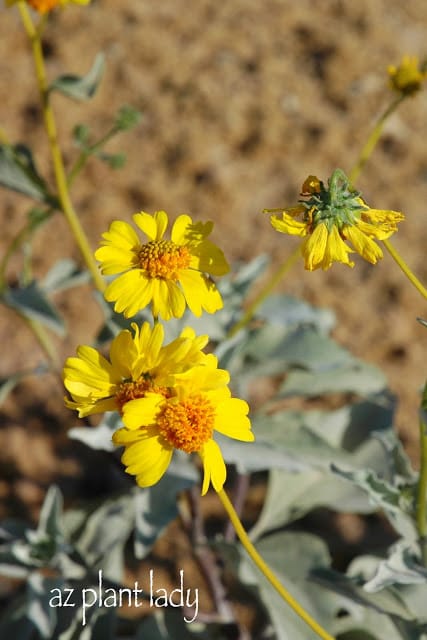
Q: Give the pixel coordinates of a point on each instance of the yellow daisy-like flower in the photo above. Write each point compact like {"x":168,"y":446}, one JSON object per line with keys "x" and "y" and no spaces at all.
{"x":328,"y":217}
{"x":200,"y":404}
{"x":43,"y":6}
{"x":168,"y":274}
{"x":408,"y":77}
{"x":138,"y":364}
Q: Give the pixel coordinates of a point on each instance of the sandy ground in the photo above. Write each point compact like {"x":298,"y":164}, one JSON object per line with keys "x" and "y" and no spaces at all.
{"x":241,"y":101}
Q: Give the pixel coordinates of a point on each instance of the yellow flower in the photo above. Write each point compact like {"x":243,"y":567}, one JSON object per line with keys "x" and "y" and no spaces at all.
{"x":408,"y":77}
{"x":43,"y":6}
{"x":168,"y":274}
{"x":138,"y":364}
{"x":200,"y":404}
{"x":331,"y":216}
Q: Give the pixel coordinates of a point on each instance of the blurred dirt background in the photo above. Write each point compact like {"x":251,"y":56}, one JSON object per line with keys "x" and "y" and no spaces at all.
{"x":241,"y":100}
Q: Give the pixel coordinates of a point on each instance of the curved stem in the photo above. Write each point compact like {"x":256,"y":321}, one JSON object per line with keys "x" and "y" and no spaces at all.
{"x":58,"y":166}
{"x":404,"y":267}
{"x":265,"y":291}
{"x":372,"y":141}
{"x":266,"y":571}
{"x":422,"y":494}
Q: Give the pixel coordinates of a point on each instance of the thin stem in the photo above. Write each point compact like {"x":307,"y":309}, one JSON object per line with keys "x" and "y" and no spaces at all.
{"x":43,"y":340}
{"x":87,"y":153}
{"x":422,"y":494}
{"x":374,"y":136}
{"x":58,"y":166}
{"x":277,"y":276}
{"x":404,"y":267}
{"x":263,"y":567}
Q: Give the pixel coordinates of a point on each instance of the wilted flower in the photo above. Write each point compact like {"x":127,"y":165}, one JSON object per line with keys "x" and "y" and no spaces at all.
{"x":168,"y":274}
{"x":330,"y":216}
{"x":408,"y":77}
{"x":43,"y":6}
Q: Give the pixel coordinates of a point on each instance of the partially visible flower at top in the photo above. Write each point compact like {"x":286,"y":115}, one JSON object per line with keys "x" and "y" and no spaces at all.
{"x":168,"y":274}
{"x":169,"y":397}
{"x":200,"y":404}
{"x":408,"y":77}
{"x":44,"y":6}
{"x":331,"y":215}
{"x":138,"y":363}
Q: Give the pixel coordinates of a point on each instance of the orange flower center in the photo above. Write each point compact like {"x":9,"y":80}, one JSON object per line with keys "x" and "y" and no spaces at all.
{"x":187,"y":425}
{"x":134,"y":389}
{"x":163,"y":259}
{"x":43,"y":6}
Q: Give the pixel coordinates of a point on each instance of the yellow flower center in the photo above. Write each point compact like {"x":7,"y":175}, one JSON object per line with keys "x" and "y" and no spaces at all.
{"x":163,"y":259}
{"x":134,"y":389}
{"x":187,"y":425}
{"x":42,"y":6}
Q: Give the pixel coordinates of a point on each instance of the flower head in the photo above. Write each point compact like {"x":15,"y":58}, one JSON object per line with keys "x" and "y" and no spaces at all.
{"x":169,"y":397}
{"x":200,"y":403}
{"x":44,"y":6}
{"x":168,"y":274}
{"x":329,"y":217}
{"x":408,"y":77}
{"x":138,"y":364}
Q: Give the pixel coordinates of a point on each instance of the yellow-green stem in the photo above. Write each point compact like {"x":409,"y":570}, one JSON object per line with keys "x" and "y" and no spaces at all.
{"x":422,"y":494}
{"x":265,"y":292}
{"x":58,"y":166}
{"x":404,"y":267}
{"x":266,"y":571}
{"x":372,"y":141}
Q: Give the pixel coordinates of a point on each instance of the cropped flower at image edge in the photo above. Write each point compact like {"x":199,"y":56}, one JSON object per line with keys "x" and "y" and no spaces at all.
{"x":170,"y":397}
{"x":44,"y":6}
{"x":168,"y":274}
{"x":329,"y":217}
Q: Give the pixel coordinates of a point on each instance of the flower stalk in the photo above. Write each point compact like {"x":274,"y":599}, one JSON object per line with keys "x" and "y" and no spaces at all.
{"x":80,"y":237}
{"x":404,"y":267}
{"x":266,"y":571}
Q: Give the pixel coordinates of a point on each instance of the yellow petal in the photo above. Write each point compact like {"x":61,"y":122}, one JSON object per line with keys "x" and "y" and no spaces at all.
{"x":363,"y":244}
{"x":161,"y":218}
{"x":142,"y":412}
{"x":336,"y":250}
{"x":180,"y":229}
{"x":200,"y":292}
{"x":213,"y":466}
{"x":209,"y":258}
{"x":148,"y":460}
{"x":232,"y":420}
{"x":314,"y":247}
{"x":287,"y":224}
{"x":146,"y":223}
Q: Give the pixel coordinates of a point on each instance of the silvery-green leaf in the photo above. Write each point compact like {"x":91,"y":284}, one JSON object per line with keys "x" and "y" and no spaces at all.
{"x":353,"y":377}
{"x":401,"y":567}
{"x":63,"y":275}
{"x":99,"y":437}
{"x":291,"y":312}
{"x":19,"y":173}
{"x":156,"y":506}
{"x":386,"y":496}
{"x":293,"y":556}
{"x":33,"y":304}
{"x":81,"y":87}
{"x":39,"y":611}
{"x":168,"y":624}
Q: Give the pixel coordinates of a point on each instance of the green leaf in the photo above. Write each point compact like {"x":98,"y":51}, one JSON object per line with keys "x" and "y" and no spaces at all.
{"x":81,"y":88}
{"x":19,"y":173}
{"x":127,"y":118}
{"x":31,"y":302}
{"x":288,"y":311}
{"x":41,"y":614}
{"x":64,"y":275}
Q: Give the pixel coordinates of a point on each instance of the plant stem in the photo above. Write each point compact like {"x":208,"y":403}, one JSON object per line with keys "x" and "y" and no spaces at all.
{"x":422,"y":494}
{"x":404,"y":267}
{"x":263,"y":567}
{"x":58,"y":166}
{"x":372,"y":141}
{"x":265,"y":292}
